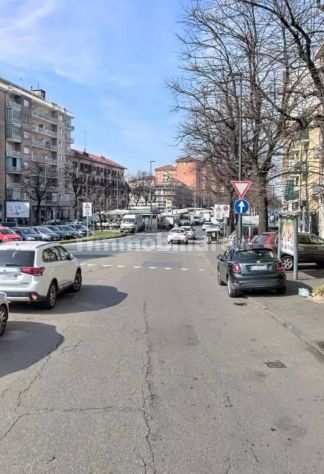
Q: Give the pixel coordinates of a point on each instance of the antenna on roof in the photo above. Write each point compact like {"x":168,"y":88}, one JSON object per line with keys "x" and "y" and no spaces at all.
{"x":85,"y":140}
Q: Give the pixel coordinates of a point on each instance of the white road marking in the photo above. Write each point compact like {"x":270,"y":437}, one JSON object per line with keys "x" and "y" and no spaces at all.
{"x":137,"y":267}
{"x":152,"y":268}
{"x":167,"y":268}
{"x":184,"y":269}
{"x":120,"y":266}
{"x":92,"y":264}
{"x":201,"y":269}
{"x":107,"y":266}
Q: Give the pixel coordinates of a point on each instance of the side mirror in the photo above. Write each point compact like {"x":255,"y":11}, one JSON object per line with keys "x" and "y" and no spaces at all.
{"x":70,"y":257}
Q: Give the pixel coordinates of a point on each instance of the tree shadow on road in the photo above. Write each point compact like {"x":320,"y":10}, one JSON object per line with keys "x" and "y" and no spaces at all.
{"x":90,"y":298}
{"x":26,"y":343}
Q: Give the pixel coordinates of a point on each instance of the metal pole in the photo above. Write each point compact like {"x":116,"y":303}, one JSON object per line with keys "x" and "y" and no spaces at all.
{"x":240,"y":155}
{"x":295,"y":273}
{"x":151,"y":171}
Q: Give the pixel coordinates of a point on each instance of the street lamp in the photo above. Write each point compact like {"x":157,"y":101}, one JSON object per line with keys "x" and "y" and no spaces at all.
{"x":240,"y":77}
{"x":151,"y":171}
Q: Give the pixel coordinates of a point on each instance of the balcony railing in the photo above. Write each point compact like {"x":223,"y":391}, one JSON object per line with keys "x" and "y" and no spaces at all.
{"x":13,"y":153}
{"x":14,"y":169}
{"x":44,"y":131}
{"x":44,"y":145}
{"x":45,"y":116}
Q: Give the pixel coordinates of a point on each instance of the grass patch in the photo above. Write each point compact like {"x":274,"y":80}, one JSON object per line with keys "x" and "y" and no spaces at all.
{"x":99,"y":235}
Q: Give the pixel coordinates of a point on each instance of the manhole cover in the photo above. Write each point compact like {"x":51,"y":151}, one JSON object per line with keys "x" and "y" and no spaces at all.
{"x":321,"y":345}
{"x":275,"y":364}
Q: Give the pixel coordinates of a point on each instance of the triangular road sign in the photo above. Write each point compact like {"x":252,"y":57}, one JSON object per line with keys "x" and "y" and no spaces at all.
{"x":241,"y":187}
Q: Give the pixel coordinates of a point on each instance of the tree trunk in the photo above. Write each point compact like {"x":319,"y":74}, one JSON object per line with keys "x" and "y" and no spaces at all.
{"x":38,"y":211}
{"x":262,"y":201}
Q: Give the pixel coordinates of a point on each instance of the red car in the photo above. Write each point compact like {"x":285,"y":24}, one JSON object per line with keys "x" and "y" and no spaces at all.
{"x":8,"y":235}
{"x":267,"y":240}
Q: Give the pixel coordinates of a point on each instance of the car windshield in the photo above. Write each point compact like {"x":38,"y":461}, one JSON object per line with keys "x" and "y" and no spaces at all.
{"x":253,"y":255}
{"x":46,"y":230}
{"x":26,"y":231}
{"x":16,"y":258}
{"x":6,"y":231}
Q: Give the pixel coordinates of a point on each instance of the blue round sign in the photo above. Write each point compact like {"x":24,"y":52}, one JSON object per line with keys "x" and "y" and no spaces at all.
{"x":241,"y":206}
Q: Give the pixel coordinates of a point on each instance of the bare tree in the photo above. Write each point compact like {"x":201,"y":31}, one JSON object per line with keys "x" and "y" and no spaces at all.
{"x":38,"y":180}
{"x":229,"y":75}
{"x":75,"y":183}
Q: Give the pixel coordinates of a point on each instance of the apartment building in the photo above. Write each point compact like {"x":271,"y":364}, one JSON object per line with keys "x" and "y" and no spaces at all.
{"x":35,"y":139}
{"x":96,"y":179}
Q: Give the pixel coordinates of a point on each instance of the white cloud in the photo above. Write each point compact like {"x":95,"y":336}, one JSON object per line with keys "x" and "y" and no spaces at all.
{"x":58,"y":35}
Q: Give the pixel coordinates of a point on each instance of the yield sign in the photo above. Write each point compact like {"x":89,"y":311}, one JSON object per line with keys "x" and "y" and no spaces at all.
{"x":241,"y":187}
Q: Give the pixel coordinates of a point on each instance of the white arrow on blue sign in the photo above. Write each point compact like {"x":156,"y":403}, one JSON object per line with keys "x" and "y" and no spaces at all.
{"x":241,"y":206}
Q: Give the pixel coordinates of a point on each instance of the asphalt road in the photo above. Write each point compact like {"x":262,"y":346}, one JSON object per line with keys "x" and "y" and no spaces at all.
{"x":153,"y":369}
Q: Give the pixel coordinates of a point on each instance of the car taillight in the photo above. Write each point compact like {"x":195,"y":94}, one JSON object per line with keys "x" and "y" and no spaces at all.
{"x":236,"y":268}
{"x":34,"y":271}
{"x":280,"y":268}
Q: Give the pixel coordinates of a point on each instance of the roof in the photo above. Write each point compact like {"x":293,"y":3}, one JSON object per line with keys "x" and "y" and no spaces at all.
{"x":100,"y":159}
{"x":166,"y":168}
{"x":11,"y":87}
{"x":187,"y":159}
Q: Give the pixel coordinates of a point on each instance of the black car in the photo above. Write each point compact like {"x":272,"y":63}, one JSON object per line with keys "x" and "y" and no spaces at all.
{"x":250,"y":269}
{"x":26,"y":233}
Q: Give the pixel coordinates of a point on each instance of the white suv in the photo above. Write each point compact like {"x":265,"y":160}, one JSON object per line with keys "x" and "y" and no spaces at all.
{"x":37,"y":272}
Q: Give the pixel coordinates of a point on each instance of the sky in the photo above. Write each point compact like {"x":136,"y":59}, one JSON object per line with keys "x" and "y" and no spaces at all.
{"x":108,"y":62}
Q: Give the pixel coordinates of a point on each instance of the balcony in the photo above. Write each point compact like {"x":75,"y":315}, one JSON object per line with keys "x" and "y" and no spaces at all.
{"x":44,"y":131}
{"x":13,"y":154}
{"x":13,"y":134}
{"x":14,"y":165}
{"x":42,"y":144}
{"x":43,"y":115}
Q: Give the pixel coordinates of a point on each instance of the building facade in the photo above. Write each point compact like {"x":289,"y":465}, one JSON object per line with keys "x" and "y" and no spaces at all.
{"x":95,"y":179}
{"x":35,"y":140}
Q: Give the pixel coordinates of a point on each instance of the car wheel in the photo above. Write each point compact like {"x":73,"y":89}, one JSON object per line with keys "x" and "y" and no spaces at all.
{"x":77,"y":284}
{"x":51,"y":297}
{"x":3,"y":318}
{"x":232,"y":292}
{"x":219,"y":279}
{"x":288,"y":262}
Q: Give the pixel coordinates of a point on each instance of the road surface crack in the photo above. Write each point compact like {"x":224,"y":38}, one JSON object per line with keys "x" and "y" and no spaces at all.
{"x":37,"y":376}
{"x":147,"y":400}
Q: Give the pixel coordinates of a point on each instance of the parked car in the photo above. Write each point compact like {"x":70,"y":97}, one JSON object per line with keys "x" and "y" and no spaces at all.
{"x":250,"y":269}
{"x":80,"y":229}
{"x":46,"y":234}
{"x":4,"y":313}
{"x":178,"y":235}
{"x":74,"y":233}
{"x":26,"y":233}
{"x":37,"y":272}
{"x":189,"y":231}
{"x":8,"y":235}
{"x":59,"y":231}
{"x":310,"y":248}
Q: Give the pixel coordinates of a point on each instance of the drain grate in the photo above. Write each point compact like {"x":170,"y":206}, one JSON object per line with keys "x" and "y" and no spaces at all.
{"x":275,"y":364}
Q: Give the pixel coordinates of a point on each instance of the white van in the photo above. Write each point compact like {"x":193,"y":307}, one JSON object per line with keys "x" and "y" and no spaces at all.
{"x":132,"y":223}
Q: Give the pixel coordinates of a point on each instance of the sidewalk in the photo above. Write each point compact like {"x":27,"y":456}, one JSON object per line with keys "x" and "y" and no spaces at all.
{"x":300,"y":315}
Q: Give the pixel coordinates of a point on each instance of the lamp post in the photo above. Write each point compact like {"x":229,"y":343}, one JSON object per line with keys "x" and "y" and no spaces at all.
{"x":239,"y":76}
{"x":151,"y":171}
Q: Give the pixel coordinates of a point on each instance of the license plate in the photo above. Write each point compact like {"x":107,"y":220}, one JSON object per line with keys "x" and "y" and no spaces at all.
{"x":259,"y":268}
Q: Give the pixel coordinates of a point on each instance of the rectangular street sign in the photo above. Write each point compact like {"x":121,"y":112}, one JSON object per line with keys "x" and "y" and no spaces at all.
{"x":241,"y":187}
{"x":221,"y":211}
{"x":87,"y":209}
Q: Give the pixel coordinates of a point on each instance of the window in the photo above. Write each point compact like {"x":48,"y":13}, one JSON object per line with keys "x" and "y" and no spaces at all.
{"x":26,"y":150}
{"x":63,"y":253}
{"x":16,"y":258}
{"x":26,"y":135}
{"x":50,"y":255}
{"x":26,"y":103}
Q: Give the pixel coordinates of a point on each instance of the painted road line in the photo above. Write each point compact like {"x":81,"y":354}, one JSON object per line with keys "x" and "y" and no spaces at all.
{"x":152,"y":268}
{"x":120,"y":266}
{"x":107,"y":266}
{"x":184,"y":269}
{"x":137,"y":267}
{"x":167,"y":268}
